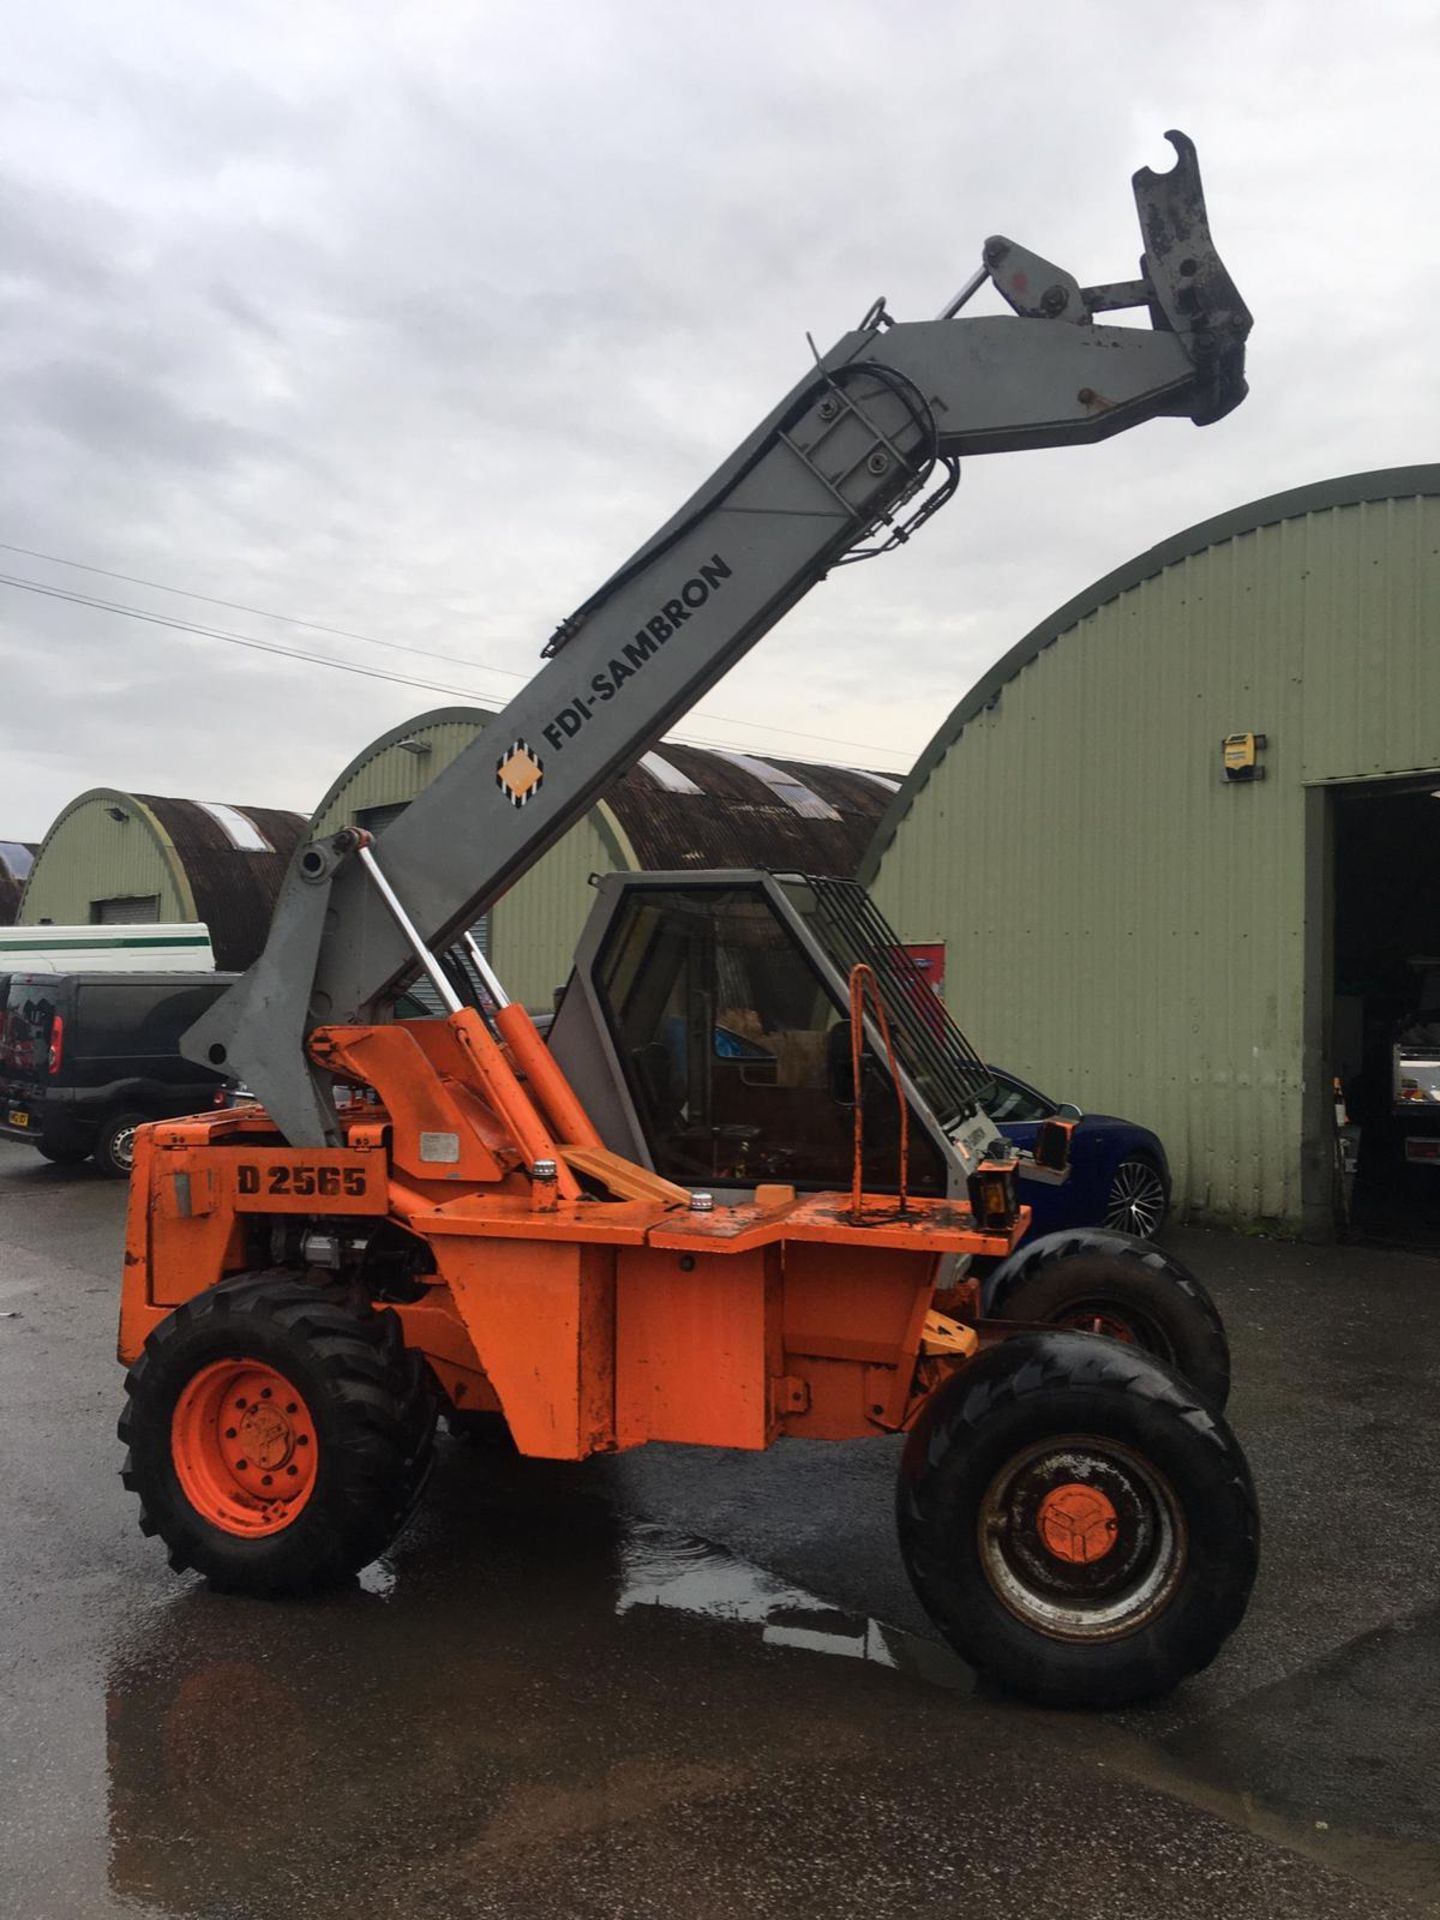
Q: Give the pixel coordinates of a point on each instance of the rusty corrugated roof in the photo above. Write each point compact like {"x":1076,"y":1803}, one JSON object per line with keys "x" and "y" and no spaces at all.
{"x":738,"y":819}
{"x":13,"y":868}
{"x":235,"y":888}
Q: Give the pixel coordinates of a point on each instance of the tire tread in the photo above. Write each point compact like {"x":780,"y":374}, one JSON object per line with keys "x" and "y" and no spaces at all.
{"x":1194,"y":1322}
{"x":1001,"y":1390}
{"x":379,"y":1402}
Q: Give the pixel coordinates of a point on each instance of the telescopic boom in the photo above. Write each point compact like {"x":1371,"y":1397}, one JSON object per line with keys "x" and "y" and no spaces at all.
{"x":852,"y":460}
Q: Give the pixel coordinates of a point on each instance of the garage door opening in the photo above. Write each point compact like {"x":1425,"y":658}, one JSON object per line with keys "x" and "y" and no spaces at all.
{"x":1385,"y":1007}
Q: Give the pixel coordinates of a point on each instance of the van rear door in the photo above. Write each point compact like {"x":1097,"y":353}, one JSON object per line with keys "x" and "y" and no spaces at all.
{"x":33,"y":1018}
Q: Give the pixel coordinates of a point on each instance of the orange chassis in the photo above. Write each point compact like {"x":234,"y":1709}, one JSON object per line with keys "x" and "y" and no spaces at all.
{"x":593,"y":1320}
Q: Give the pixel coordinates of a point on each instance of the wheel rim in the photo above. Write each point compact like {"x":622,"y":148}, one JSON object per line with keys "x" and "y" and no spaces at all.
{"x":243,"y":1443}
{"x":1117,"y":1323}
{"x":1137,"y":1200}
{"x":1114,"y":1326}
{"x":122,"y":1148}
{"x":1082,"y":1539}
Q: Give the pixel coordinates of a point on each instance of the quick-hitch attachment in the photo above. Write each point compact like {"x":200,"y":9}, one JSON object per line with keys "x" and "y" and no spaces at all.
{"x":1183,"y":283}
{"x":1192,"y":291}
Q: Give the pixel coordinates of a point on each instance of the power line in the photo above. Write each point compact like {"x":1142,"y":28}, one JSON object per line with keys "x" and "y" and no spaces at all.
{"x":233,"y":639}
{"x":262,"y":613}
{"x":347,"y":633}
{"x":253,"y":645}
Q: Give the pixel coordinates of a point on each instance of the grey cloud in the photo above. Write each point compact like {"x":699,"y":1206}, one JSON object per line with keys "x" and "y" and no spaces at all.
{"x":104,"y":408}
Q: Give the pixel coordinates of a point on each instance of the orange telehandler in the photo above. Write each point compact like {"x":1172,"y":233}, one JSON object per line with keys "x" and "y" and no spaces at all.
{"x":423,"y":1214}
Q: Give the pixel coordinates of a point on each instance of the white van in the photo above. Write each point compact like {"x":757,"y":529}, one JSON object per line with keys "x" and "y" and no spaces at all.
{"x":180,"y":948}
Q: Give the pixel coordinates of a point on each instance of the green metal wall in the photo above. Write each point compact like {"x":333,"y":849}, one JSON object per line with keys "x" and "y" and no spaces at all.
{"x":533,"y":929}
{"x":1123,"y":927}
{"x":387,"y":774}
{"x":88,"y":856}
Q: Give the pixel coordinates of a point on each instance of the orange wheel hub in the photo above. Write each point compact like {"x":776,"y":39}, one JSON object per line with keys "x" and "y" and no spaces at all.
{"x":243,"y":1443}
{"x":1077,"y":1523}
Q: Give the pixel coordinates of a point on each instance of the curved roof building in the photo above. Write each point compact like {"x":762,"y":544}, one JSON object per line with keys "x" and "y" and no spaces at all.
{"x":1142,"y":929}
{"x":112,"y":856}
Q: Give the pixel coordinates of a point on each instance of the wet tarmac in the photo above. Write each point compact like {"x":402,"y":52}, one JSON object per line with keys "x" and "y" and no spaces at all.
{"x":684,"y":1681}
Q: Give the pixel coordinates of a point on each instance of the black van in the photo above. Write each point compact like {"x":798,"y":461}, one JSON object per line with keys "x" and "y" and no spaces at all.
{"x":85,"y":1058}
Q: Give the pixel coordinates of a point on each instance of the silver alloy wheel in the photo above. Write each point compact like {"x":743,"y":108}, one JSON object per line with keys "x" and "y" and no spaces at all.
{"x":122,"y":1148}
{"x":1137,"y":1200}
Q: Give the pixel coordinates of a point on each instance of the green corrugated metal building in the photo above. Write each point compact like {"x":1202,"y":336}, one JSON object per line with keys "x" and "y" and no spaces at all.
{"x":1131,"y":930}
{"x":530,"y":935}
{"x":113,"y":858}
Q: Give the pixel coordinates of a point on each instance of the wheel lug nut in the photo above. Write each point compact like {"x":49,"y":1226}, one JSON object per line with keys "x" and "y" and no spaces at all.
{"x":267,"y":1480}
{"x":264,"y":1393}
{"x":229,"y":1433}
{"x":292,"y":1408}
{"x":303,"y":1440}
{"x":292,"y":1470}
{"x":240,"y":1403}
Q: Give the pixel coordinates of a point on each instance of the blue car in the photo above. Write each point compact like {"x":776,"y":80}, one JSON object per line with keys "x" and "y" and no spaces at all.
{"x":1119,"y":1176}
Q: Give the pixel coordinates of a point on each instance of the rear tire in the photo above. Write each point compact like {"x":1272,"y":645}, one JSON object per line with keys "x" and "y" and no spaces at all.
{"x":1093,"y":1281}
{"x":62,"y":1156}
{"x":279,"y":1433}
{"x":1076,"y":1523}
{"x":1137,"y":1202}
{"x":114,"y":1148}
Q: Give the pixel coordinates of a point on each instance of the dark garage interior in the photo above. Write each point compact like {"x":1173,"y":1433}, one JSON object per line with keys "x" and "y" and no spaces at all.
{"x":1386,"y":973}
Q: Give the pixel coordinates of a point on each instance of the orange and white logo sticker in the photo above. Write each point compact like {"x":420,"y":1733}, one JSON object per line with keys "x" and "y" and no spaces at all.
{"x":519,"y":773}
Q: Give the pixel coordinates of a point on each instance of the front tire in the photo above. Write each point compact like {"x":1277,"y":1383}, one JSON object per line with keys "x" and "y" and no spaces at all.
{"x":279,"y":1433}
{"x":1076,"y":1522}
{"x":1092,"y":1281}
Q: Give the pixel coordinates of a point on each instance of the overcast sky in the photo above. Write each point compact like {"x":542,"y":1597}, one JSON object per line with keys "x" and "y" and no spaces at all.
{"x":416,"y":320}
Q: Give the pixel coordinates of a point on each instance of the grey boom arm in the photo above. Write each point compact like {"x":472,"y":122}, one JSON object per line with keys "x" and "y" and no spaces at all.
{"x":892,"y":404}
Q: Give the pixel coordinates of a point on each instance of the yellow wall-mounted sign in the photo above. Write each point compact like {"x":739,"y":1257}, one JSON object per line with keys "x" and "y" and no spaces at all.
{"x":1240,"y":756}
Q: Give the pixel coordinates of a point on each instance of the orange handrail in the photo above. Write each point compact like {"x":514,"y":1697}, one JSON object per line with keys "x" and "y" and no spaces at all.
{"x":863,"y":984}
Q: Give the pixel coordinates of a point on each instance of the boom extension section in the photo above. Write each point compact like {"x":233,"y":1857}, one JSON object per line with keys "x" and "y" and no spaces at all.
{"x":862,"y":450}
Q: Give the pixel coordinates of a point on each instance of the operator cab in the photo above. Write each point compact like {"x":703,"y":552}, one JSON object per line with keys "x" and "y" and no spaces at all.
{"x":707,"y":1030}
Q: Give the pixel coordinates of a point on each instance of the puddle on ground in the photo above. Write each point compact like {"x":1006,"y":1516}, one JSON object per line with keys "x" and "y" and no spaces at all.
{"x":1259,"y":1765}
{"x":662,"y":1568}
{"x":544,"y":1666}
{"x":529,"y":1668}
{"x":656,"y":1566}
